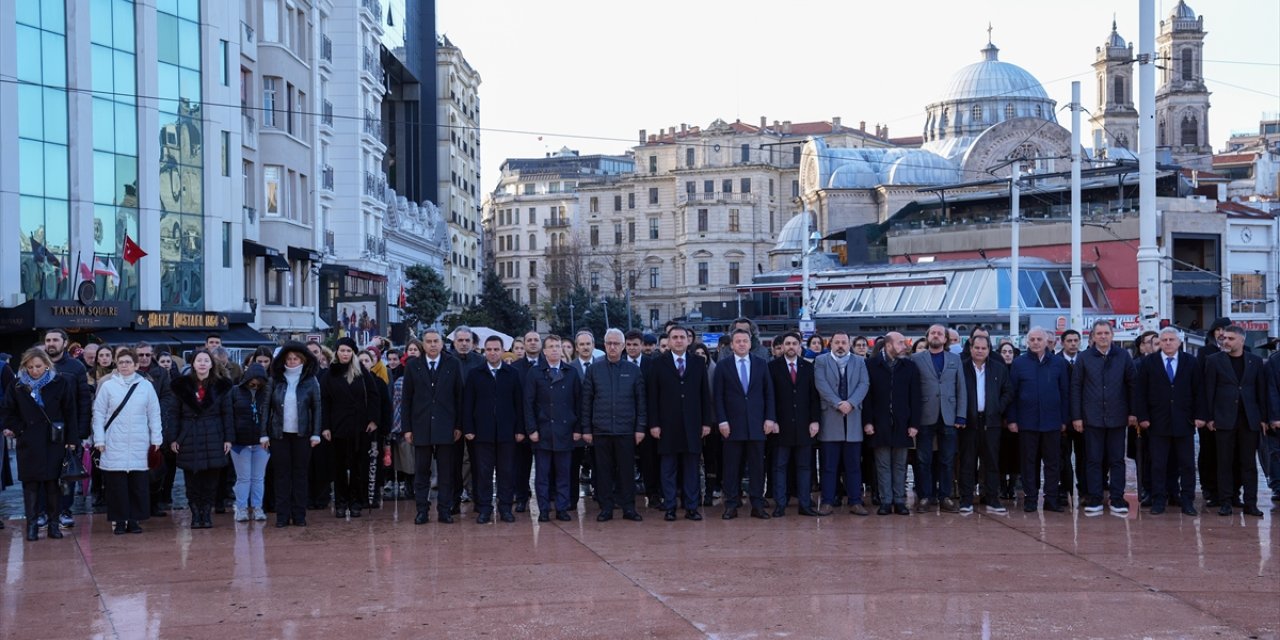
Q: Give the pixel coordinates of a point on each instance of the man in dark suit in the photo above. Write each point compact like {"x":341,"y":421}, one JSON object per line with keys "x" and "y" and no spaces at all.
{"x":464,"y":345}
{"x":1207,"y":458}
{"x":647,"y":459}
{"x":493,"y":419}
{"x":1236,"y":402}
{"x":582,"y":462}
{"x":680,"y":416}
{"x":552,"y":396}
{"x":431,"y":401}
{"x":892,"y":418}
{"x":1166,"y":398}
{"x":524,"y":449}
{"x":1072,"y":441}
{"x":744,"y":403}
{"x":989,"y":392}
{"x":798,"y":410}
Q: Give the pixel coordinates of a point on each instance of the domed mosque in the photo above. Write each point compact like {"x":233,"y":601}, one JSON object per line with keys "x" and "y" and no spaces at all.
{"x":990,"y":112}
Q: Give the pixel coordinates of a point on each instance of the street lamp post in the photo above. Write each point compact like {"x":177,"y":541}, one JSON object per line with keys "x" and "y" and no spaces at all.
{"x":631,"y":283}
{"x":810,"y":245}
{"x":572,"y":328}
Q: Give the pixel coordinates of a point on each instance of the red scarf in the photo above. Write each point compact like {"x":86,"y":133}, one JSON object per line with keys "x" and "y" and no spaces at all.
{"x":200,"y":393}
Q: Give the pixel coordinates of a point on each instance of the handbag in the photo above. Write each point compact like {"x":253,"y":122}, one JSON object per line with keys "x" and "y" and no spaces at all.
{"x":155,"y":459}
{"x":73,"y":466}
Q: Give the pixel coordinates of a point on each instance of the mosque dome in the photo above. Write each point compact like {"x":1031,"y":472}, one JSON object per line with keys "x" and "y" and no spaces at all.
{"x":1114,"y":41}
{"x":791,"y":238}
{"x":991,"y":78}
{"x":1183,"y":12}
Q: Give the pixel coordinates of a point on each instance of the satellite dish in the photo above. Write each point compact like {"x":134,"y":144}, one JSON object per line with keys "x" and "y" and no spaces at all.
{"x":87,"y":292}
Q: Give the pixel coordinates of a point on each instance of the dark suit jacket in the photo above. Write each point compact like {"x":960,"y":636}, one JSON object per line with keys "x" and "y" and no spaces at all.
{"x":893,"y":403}
{"x":551,"y":406}
{"x":999,"y":393}
{"x":522,"y":366}
{"x":745,"y":412}
{"x":1224,"y":394}
{"x":1171,"y":408}
{"x":796,"y":404}
{"x":432,"y":403}
{"x":493,"y":409}
{"x":680,"y":406}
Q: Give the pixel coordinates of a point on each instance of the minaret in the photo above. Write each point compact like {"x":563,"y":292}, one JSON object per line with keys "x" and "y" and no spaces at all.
{"x":1115,"y":116}
{"x":1182,"y":101}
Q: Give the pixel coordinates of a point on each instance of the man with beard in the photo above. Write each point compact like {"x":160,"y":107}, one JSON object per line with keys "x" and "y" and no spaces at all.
{"x":841,"y":379}
{"x":1236,"y":399}
{"x":943,"y":410}
{"x":796,"y":403}
{"x":892,"y":418}
{"x":55,"y":344}
{"x":1072,"y":441}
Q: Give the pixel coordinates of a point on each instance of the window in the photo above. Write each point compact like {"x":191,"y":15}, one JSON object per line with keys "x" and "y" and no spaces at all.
{"x":595,"y":204}
{"x":617,"y":203}
{"x":595,"y":280}
{"x":771,"y":187}
{"x":533,"y":242}
{"x":726,"y":185}
{"x":1190,"y":131}
{"x":224,"y":62}
{"x":795,"y":188}
{"x":617,"y":233}
{"x":533,"y":268}
{"x":708,"y":186}
{"x":533,"y":295}
{"x":1247,"y":293}
{"x":745,"y":153}
{"x":631,"y":200}
{"x":1008,"y":112}
{"x":703,"y":274}
{"x":271,"y":187}
{"x":631,"y":232}
{"x":654,"y":280}
{"x":1118,"y":98}
{"x":744,"y":185}
{"x":795,"y":155}
{"x":653,"y":195}
{"x":653,"y":164}
{"x":703,"y":220}
{"x":1188,"y":65}
{"x":530,"y":189}
{"x":653,"y":228}
{"x":595,"y":235}
{"x":226,"y":154}
{"x":734,"y":220}
{"x":226,"y":245}
{"x":976,"y":114}
{"x":688,"y":157}
{"x":690,"y":187}
{"x":734,"y":272}
{"x":533,"y":215}
{"x":269,"y":86}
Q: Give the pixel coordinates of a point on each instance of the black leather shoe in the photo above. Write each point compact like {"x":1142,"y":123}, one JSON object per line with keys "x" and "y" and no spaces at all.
{"x":455,"y":510}
{"x":730,"y":513}
{"x":484,"y":518}
{"x":355,"y":512}
{"x":670,"y":516}
{"x":120,"y":529}
{"x":521,"y":507}
{"x":759,"y":514}
{"x":54,"y":532}
{"x":445,"y":518}
{"x":692,"y":514}
{"x":901,"y":509}
{"x":1053,"y":506}
{"x":134,"y":527}
{"x":1224,"y":510}
{"x":632,"y":516}
{"x":808,"y":511}
{"x":563,"y":516}
{"x":779,"y":512}
{"x":340,"y":512}
{"x":604,"y":516}
{"x":1029,"y":507}
{"x":280,"y":524}
{"x":299,"y":522}
{"x":885,"y":509}
{"x":1157,"y":509}
{"x":422,"y":518}
{"x":1188,"y":510}
{"x":33,"y":531}
{"x":544,"y":517}
{"x":1253,"y":511}
{"x":507,"y":517}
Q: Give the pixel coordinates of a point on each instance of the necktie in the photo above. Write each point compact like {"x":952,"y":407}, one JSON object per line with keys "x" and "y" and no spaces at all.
{"x":495,"y":373}
{"x":1168,"y":368}
{"x":742,"y":373}
{"x":680,"y":366}
{"x":433,"y":366}
{"x":793,"y":372}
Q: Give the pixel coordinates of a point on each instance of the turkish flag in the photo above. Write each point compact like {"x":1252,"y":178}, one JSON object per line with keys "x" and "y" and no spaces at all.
{"x":132,"y":252}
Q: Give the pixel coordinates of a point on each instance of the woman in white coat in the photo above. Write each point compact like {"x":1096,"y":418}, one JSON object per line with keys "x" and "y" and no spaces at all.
{"x":126,"y":426}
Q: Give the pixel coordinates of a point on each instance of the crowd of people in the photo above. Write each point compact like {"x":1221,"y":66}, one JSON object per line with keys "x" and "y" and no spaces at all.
{"x":666,"y":421}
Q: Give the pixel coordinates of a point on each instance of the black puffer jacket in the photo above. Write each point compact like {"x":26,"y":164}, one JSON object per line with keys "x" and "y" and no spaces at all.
{"x":249,"y":407}
{"x":201,"y":427}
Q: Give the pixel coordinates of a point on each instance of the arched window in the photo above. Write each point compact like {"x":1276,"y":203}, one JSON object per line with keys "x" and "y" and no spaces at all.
{"x":1188,"y":64}
{"x":976,"y":114}
{"x":1122,"y":141}
{"x":1008,"y":112}
{"x":533,"y":242}
{"x":1190,"y":131}
{"x":1162,"y":136}
{"x":1118,"y":91}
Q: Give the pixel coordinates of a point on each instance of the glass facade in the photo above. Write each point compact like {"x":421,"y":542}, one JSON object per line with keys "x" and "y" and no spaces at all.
{"x":181,"y":155}
{"x":44,"y":214}
{"x":115,"y":146}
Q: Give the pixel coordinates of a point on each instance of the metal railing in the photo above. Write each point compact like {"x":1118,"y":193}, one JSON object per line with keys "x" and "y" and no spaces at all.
{"x":716,"y":197}
{"x":248,"y":31}
{"x":326,"y":178}
{"x":374,"y":7}
{"x":372,"y":125}
{"x":552,"y":223}
{"x":326,"y":48}
{"x":375,"y":185}
{"x":372,"y":63}
{"x":326,"y":113}
{"x":250,"y":214}
{"x":375,"y":246}
{"x":330,"y":243}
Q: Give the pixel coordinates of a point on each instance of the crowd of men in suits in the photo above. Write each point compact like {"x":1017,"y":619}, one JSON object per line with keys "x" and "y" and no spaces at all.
{"x":694,"y":425}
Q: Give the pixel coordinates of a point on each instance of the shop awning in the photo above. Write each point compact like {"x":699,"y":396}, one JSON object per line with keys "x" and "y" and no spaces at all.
{"x":271,"y":254}
{"x":302,"y":253}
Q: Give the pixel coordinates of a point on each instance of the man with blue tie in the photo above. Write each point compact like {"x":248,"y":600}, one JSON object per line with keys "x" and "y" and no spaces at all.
{"x":1167,"y":394}
{"x":493,"y":420}
{"x":744,"y":405}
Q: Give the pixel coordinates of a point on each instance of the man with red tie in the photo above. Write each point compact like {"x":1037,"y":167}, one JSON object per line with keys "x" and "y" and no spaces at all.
{"x":797,"y":405}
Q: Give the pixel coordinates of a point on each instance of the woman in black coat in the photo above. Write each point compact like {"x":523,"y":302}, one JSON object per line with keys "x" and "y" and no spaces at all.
{"x":32,"y":406}
{"x":292,"y":428}
{"x":203,"y":430}
{"x":351,"y":408}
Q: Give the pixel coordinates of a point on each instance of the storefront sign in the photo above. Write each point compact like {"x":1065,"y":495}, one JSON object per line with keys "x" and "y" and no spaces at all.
{"x":1254,"y":325}
{"x":68,"y":314}
{"x":1118,"y":323}
{"x":178,"y":320}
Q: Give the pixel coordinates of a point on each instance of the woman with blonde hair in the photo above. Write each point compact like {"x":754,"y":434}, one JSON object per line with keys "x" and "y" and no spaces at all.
{"x":351,"y":408}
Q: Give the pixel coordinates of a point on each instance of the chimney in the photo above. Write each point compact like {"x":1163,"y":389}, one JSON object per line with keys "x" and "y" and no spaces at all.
{"x":643,"y":136}
{"x":862,"y":126}
{"x":671,"y":132}
{"x":777,"y":126}
{"x":835,"y":123}
{"x":763,"y":123}
{"x":786,"y":127}
{"x":684,"y":128}
{"x":653,"y":138}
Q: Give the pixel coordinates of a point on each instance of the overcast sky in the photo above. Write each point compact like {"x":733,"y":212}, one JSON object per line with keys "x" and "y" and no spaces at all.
{"x":589,"y":74}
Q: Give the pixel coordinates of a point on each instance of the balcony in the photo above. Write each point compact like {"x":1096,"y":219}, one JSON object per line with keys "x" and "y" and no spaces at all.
{"x":717,"y":197}
{"x":326,"y":178}
{"x":326,"y":113}
{"x":555,"y":223}
{"x":326,"y":48}
{"x":330,"y":242}
{"x":372,"y":63}
{"x":375,"y":185}
{"x":374,"y":7}
{"x":375,"y":246}
{"x":372,"y":125}
{"x":250,"y":214}
{"x":248,"y":128}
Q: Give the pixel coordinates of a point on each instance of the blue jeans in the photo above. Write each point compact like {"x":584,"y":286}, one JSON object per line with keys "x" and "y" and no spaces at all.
{"x":251,"y":467}
{"x":947,"y":441}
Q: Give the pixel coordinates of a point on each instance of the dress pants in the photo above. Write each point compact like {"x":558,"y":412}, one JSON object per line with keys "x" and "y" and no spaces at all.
{"x":979,"y":444}
{"x":1073,"y":442}
{"x":1272,"y":442}
{"x":486,"y":458}
{"x":834,"y":456}
{"x":41,"y":496}
{"x":577,"y":458}
{"x":928,"y":485}
{"x":650,"y":466}
{"x":1162,"y":449}
{"x":202,"y":487}
{"x":422,"y":460}
{"x":128,"y":495}
{"x":1104,"y":443}
{"x":290,"y":465}
{"x":712,"y":463}
{"x":891,"y":474}
{"x":321,"y":476}
{"x":799,"y":459}
{"x":615,"y":472}
{"x":1044,"y":446}
{"x":1238,"y":447}
{"x":524,"y":471}
{"x":1207,"y":463}
{"x":553,"y":464}
{"x":738,"y":453}
{"x":350,"y":472}
{"x":684,"y":465}
{"x":463,"y":459}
